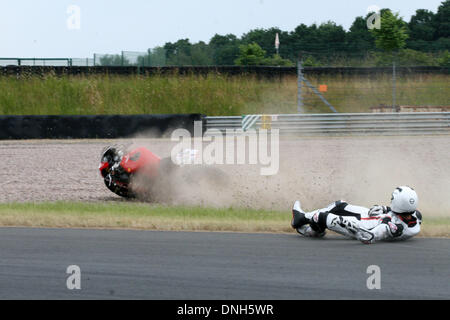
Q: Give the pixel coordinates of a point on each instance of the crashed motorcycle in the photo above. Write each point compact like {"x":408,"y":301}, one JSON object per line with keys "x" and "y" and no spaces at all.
{"x":136,"y":172}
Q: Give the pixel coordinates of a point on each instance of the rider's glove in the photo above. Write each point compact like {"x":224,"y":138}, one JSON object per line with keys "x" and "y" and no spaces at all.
{"x":365,"y":237}
{"x":377,"y":211}
{"x":395,"y":229}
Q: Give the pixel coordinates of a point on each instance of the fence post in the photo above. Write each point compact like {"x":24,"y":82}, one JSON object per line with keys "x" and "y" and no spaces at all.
{"x":394,"y":86}
{"x":299,"y":87}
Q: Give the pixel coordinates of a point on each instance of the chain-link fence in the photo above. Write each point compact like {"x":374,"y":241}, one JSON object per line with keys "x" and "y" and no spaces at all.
{"x":8,"y":62}
{"x":52,"y":62}
{"x":395,"y":89}
{"x":35,"y":62}
{"x":208,"y":55}
{"x":151,"y":58}
{"x":82,"y":62}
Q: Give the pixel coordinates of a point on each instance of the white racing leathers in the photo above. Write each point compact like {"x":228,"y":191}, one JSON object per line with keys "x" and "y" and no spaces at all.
{"x":347,"y":219}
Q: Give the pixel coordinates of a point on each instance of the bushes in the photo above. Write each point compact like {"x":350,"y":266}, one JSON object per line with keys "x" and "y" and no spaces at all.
{"x":444,"y":60}
{"x":408,"y":58}
{"x":253,"y":55}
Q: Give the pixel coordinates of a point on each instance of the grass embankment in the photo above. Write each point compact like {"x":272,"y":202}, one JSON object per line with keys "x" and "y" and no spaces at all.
{"x":141,"y":216}
{"x":211,"y":95}
{"x":154,"y":217}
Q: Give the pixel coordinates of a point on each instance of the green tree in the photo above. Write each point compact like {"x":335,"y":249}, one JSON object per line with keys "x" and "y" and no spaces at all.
{"x":359,"y":38}
{"x":323,"y":44}
{"x":444,"y":60}
{"x":251,"y":55}
{"x":225,"y":49}
{"x":265,"y":38}
{"x":155,"y":57}
{"x":329,"y":35}
{"x":392,"y":34}
{"x":391,"y":37}
{"x":201,"y":54}
{"x":421,"y":25}
{"x":301,"y":39}
{"x":178,"y":53}
{"x":114,"y":60}
{"x":442,"y":20}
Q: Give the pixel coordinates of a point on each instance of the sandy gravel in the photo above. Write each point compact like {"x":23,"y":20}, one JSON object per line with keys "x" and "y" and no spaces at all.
{"x":361,"y":170}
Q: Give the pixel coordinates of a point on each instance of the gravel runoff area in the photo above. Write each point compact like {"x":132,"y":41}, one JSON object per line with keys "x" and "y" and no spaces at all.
{"x":316,"y":170}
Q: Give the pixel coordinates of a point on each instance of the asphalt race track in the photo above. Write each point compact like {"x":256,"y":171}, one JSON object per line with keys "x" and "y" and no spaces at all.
{"x":119,"y":264}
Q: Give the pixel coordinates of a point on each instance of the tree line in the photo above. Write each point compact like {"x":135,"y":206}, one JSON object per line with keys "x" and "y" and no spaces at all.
{"x":424,"y":40}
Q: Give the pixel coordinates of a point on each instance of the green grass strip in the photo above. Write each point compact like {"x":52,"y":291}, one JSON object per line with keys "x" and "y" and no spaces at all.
{"x":135,"y":215}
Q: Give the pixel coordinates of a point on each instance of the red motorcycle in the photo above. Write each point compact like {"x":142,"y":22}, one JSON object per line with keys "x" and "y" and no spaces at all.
{"x":138,"y":172}
{"x":118,"y":167}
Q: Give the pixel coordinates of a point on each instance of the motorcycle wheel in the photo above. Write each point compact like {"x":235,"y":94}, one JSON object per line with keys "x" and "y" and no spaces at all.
{"x":120,"y":191}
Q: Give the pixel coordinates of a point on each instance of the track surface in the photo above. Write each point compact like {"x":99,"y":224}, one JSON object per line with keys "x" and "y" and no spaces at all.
{"x":180,"y":265}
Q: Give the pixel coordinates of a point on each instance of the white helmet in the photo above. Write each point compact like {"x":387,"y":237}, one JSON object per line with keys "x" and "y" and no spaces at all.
{"x":404,"y":200}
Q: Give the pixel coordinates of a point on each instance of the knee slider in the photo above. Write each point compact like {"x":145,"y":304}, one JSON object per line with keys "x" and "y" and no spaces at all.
{"x":319,"y":222}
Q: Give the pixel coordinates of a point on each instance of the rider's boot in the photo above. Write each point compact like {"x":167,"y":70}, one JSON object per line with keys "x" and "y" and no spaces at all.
{"x":298,"y":216}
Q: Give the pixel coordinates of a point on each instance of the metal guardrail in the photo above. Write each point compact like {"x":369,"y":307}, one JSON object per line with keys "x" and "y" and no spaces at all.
{"x":420,"y":123}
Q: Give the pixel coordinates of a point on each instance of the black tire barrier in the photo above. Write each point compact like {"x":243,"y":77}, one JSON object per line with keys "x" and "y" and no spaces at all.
{"x":94,"y":127}
{"x":258,"y":71}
